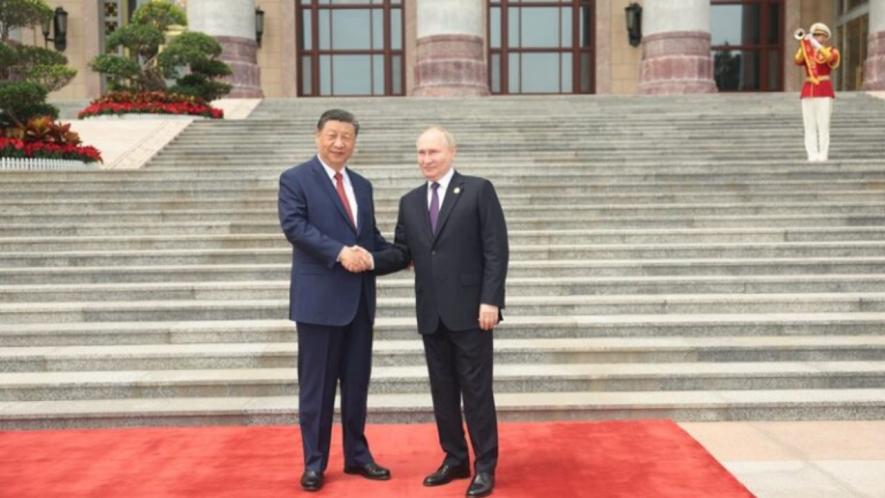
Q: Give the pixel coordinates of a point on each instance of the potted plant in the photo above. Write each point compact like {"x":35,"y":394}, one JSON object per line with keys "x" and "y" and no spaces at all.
{"x":160,"y":71}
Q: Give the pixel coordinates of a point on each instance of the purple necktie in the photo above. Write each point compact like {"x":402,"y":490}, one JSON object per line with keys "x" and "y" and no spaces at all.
{"x":434,"y":205}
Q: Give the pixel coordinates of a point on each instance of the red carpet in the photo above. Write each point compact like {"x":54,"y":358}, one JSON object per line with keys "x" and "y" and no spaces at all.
{"x":557,"y":460}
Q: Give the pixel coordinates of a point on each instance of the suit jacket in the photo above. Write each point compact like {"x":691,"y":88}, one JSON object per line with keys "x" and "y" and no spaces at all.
{"x":321,"y":291}
{"x":461,"y":266}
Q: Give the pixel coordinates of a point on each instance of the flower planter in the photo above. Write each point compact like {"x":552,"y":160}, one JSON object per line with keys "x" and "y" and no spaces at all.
{"x":41,"y":164}
{"x":143,"y":116}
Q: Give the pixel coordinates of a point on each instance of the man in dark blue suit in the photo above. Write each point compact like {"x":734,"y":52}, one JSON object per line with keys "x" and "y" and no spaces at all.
{"x":452,"y":228}
{"x":326,"y":211}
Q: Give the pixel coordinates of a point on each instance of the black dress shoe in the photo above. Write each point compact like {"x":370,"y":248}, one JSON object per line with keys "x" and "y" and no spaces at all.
{"x":312,"y":480}
{"x":369,"y":471}
{"x":446,"y":473}
{"x":482,"y":484}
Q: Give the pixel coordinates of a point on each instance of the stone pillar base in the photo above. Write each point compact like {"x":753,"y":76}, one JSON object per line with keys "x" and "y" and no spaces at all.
{"x":450,"y":66}
{"x":874,"y":66}
{"x":241,"y":55}
{"x":675,"y":63}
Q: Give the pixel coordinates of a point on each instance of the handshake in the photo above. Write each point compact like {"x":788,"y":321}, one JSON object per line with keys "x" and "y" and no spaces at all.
{"x":356,"y":259}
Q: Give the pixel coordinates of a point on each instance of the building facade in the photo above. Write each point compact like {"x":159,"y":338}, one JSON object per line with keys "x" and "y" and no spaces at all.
{"x":501,"y":47}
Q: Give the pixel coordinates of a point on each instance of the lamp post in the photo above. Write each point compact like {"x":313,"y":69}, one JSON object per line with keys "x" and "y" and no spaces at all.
{"x":634,"y":23}
{"x":259,"y":25}
{"x":59,"y":27}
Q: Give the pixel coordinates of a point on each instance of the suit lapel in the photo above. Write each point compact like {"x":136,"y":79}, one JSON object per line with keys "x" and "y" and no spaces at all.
{"x":449,"y":202}
{"x":420,"y":207}
{"x":326,"y":186}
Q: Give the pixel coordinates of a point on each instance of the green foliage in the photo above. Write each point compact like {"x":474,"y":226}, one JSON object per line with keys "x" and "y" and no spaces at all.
{"x":22,"y":100}
{"x":159,"y":14}
{"x":36,"y":64}
{"x":191,"y":58}
{"x":21,"y":13}
{"x":143,"y":40}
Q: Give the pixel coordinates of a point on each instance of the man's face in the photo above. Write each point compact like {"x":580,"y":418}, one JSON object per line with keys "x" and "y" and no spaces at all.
{"x":335,"y":143}
{"x":821,"y":38}
{"x":434,"y":155}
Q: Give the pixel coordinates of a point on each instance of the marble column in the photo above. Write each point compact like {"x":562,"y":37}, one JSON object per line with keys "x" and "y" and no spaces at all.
{"x":676,"y":47}
{"x":232,"y":23}
{"x":874,"y":66}
{"x":450,"y":49}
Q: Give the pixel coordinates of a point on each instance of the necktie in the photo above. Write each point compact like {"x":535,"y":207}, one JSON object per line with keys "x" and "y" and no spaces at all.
{"x":434,"y":205}
{"x":339,"y":186}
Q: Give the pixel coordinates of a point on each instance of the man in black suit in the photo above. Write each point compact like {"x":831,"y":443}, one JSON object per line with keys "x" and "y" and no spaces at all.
{"x":452,"y":229}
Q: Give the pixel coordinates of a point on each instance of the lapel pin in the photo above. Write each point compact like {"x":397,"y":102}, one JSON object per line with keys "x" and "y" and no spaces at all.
{"x":457,"y":190}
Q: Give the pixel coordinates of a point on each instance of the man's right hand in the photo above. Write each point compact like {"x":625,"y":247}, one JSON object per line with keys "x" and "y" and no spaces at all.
{"x":355,"y":259}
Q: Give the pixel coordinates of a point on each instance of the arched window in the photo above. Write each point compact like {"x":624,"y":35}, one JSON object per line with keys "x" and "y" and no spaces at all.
{"x":350,"y":47}
{"x":747,"y":44}
{"x":541,"y":46}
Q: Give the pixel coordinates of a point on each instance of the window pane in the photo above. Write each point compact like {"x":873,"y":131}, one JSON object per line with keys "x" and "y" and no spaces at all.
{"x":736,"y":70}
{"x":734,"y":24}
{"x":775,"y":66}
{"x":495,"y":72}
{"x":774,"y":23}
{"x":513,"y":27}
{"x":396,"y":29}
{"x":495,"y":27}
{"x":377,"y":29}
{"x":351,"y":75}
{"x":325,"y":32}
{"x":306,"y":31}
{"x":565,"y":34}
{"x":396,"y":74}
{"x":350,"y":29}
{"x":513,"y":76}
{"x":325,"y":75}
{"x":377,"y":75}
{"x":586,"y":68}
{"x":306,"y":76}
{"x":540,"y":27}
{"x":586,"y":27}
{"x":540,"y":73}
{"x":566,"y":67}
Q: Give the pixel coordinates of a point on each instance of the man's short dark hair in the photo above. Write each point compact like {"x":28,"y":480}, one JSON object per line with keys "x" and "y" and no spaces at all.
{"x":339,"y":115}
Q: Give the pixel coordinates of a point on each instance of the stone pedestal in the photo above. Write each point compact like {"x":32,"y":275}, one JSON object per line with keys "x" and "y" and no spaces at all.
{"x":450,"y":49}
{"x":232,"y":23}
{"x":676,"y":48}
{"x":874,"y":66}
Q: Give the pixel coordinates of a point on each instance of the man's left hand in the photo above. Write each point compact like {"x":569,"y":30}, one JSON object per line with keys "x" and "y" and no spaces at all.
{"x":488,"y":316}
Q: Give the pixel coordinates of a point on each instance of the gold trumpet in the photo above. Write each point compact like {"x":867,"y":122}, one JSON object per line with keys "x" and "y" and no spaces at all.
{"x":799,"y":34}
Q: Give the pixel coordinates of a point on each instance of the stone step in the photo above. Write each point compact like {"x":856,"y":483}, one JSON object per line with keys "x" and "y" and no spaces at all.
{"x":266,"y":189}
{"x":280,"y":255}
{"x":402,"y":285}
{"x":386,"y":225}
{"x":827,"y":325}
{"x":117,"y":311}
{"x":509,"y":378}
{"x":255,"y":355}
{"x":515,"y":237}
{"x":517,"y":213}
{"x":517,"y":269}
{"x":741,"y":405}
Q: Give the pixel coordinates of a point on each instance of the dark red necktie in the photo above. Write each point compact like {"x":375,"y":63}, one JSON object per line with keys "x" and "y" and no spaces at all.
{"x":339,"y":186}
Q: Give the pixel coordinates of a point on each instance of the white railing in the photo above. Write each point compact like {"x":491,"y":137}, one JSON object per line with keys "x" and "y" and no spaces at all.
{"x":39,"y":164}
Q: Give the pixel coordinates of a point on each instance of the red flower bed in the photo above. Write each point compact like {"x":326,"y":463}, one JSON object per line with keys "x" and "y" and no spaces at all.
{"x":150,"y":103}
{"x":13,"y":147}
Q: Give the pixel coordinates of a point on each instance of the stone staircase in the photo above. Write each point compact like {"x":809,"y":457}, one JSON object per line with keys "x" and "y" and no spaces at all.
{"x":671,"y":257}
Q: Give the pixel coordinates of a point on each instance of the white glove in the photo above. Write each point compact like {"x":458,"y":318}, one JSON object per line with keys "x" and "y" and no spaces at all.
{"x":814,"y":43}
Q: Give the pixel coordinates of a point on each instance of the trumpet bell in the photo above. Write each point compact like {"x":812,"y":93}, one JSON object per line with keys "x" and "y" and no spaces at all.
{"x":799,"y":34}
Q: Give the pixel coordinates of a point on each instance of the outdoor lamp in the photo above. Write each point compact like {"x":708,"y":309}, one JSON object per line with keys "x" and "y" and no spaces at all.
{"x":259,"y":25}
{"x":59,"y":26}
{"x":634,"y":23}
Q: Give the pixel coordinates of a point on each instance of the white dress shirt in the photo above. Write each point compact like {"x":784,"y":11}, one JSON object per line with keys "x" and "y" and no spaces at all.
{"x":348,"y":188}
{"x":443,"y":186}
